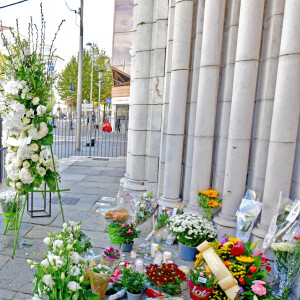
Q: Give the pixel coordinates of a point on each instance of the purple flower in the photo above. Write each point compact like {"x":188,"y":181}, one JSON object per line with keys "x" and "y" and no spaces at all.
{"x":241,"y":290}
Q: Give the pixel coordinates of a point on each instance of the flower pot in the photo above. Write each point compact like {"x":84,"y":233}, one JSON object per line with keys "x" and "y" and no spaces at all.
{"x":10,"y":220}
{"x":187,"y":253}
{"x":134,"y":296}
{"x":199,"y":292}
{"x":99,"y":283}
{"x":127,"y":247}
{"x":113,"y":234}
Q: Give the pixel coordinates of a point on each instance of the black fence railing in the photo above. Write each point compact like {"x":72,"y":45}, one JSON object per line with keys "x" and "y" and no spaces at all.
{"x":106,"y":136}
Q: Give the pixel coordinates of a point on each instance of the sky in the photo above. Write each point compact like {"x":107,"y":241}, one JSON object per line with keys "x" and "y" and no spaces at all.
{"x":98,"y":18}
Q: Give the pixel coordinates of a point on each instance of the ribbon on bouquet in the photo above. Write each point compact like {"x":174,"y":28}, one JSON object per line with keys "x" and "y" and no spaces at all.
{"x":226,"y":280}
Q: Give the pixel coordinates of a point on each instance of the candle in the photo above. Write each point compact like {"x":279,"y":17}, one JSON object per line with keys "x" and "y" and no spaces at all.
{"x":169,"y":261}
{"x":157,"y":261}
{"x":186,"y":271}
{"x":132,"y":254}
{"x":157,"y":238}
{"x":167,"y":256}
{"x":154,"y":247}
{"x":139,"y":265}
{"x":159,"y":255}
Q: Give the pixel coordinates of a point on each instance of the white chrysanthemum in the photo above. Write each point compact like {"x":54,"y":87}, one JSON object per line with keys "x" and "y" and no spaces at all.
{"x":26,"y":164}
{"x":41,"y":171}
{"x":35,"y":101}
{"x":41,"y":110}
{"x":26,"y":177}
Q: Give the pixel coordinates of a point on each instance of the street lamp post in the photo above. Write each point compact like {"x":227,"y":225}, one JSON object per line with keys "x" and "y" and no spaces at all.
{"x":100,"y":85}
{"x":91,"y":98}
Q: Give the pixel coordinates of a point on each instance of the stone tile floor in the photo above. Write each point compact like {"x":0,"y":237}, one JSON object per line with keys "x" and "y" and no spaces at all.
{"x":89,"y":180}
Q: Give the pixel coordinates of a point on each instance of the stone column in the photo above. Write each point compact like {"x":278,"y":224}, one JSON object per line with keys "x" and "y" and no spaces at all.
{"x":166,"y":96}
{"x":157,"y":74}
{"x":193,"y":102}
{"x":225,"y":93}
{"x":140,"y":96}
{"x":207,"y":97}
{"x":295,"y":188}
{"x":265,"y":95}
{"x":178,"y":97}
{"x":285,"y":117}
{"x":243,"y":97}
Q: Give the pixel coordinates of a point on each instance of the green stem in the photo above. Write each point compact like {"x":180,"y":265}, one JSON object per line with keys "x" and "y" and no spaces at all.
{"x":57,"y":187}
{"x":19,"y":226}
{"x":7,"y":224}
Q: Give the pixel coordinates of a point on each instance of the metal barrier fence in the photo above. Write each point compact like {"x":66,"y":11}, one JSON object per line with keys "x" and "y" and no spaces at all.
{"x":107,"y":137}
{"x":3,"y":176}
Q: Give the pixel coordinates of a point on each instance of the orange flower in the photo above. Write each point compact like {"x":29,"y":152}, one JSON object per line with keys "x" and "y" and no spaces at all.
{"x":210,"y":193}
{"x":226,"y":263}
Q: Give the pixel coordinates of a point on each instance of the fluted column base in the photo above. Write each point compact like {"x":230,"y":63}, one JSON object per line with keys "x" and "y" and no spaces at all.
{"x":166,"y":202}
{"x":225,"y":225}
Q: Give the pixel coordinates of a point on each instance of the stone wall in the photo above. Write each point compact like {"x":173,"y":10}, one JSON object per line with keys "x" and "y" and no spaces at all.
{"x":216,"y":102}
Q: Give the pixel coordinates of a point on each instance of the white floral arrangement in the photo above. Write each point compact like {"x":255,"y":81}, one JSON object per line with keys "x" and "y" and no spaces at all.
{"x":283,"y":247}
{"x":10,"y":202}
{"x":191,"y":230}
{"x":62,"y":272}
{"x":102,"y":269}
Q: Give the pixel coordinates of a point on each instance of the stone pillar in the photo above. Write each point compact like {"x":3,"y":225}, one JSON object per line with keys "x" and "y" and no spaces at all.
{"x":243,"y":97}
{"x":178,"y":97}
{"x":166,"y":96}
{"x":285,"y":117}
{"x":157,"y":74}
{"x":140,"y":96}
{"x":265,"y":95}
{"x":225,"y":93}
{"x":295,"y":188}
{"x":207,"y":98}
{"x":193,"y":102}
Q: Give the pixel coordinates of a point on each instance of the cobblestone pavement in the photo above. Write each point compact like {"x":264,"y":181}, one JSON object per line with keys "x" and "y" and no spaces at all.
{"x":89,"y":180}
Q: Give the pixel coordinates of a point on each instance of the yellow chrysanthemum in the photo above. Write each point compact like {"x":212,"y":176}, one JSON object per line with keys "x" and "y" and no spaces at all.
{"x":210,"y":193}
{"x":233,"y":240}
{"x":245,"y":259}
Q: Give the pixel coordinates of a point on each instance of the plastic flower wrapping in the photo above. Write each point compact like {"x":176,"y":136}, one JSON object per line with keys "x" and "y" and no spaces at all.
{"x":61,"y":273}
{"x":247,"y":266}
{"x":209,"y":202}
{"x":9,"y":201}
{"x":247,"y":214}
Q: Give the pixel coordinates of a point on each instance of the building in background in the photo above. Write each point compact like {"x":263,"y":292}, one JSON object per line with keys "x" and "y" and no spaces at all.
{"x":121,"y":58}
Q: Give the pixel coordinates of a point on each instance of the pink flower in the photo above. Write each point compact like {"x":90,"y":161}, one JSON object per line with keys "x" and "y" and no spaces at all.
{"x":258,"y":289}
{"x":264,"y":259}
{"x":201,"y":273}
{"x":129,"y":231}
{"x":123,"y":225}
{"x":259,"y":282}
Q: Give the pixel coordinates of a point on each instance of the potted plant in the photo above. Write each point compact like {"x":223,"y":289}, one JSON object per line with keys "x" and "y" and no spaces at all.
{"x":201,"y":281}
{"x":209,"y":202}
{"x":128,"y":233}
{"x":133,"y":282}
{"x":100,"y":276}
{"x":10,"y":203}
{"x":167,"y":278}
{"x":111,"y":258}
{"x":191,"y":230}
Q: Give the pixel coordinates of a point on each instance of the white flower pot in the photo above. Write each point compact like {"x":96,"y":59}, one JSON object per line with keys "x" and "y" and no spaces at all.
{"x":134,"y":296}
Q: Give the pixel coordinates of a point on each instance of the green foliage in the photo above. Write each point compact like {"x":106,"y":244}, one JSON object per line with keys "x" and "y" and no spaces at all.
{"x":70,"y":75}
{"x":133,"y":281}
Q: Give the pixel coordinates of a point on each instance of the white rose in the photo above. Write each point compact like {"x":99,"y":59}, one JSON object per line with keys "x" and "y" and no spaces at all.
{"x":58,"y":243}
{"x":26,"y":121}
{"x":30,"y":113}
{"x":75,"y":258}
{"x":25,"y":176}
{"x":17,"y":161}
{"x":26,"y":164}
{"x":35,"y":101}
{"x":41,"y":171}
{"x":41,"y":110}
{"x":35,"y":157}
{"x":19,"y":185}
{"x":45,"y":263}
{"x":73,"y":286}
{"x":47,"y":241}
{"x":47,"y":279}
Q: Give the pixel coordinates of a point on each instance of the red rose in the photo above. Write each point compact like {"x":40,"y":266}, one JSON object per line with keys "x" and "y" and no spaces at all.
{"x":249,"y":276}
{"x":253,"y":269}
{"x":242,"y":281}
{"x":268,"y":268}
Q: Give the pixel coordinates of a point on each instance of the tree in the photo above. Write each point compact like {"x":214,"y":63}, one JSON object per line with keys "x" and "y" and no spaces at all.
{"x":70,"y":73}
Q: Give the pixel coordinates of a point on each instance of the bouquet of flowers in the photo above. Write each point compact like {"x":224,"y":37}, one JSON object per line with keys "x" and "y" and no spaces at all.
{"x":167,"y":278}
{"x":132,"y":281}
{"x":287,"y":264}
{"x":208,"y":201}
{"x":191,"y":230}
{"x":162,"y":219}
{"x":128,"y":233}
{"x":61,"y":274}
{"x":10,"y":201}
{"x":144,"y":208}
{"x":248,"y":268}
{"x":201,"y":281}
{"x":100,"y":276}
{"x":111,"y":258}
